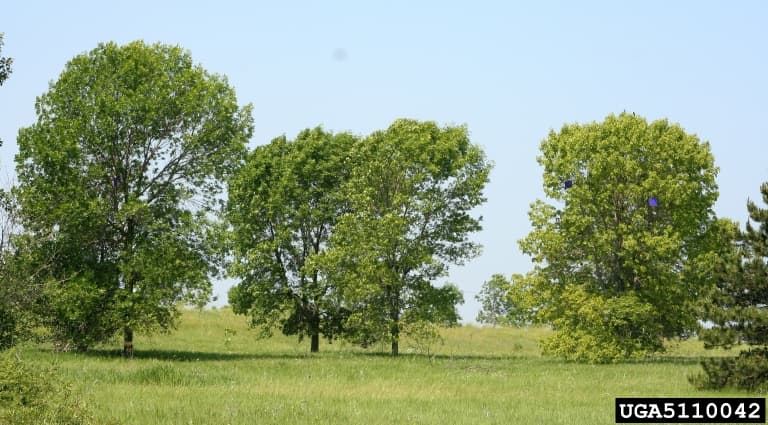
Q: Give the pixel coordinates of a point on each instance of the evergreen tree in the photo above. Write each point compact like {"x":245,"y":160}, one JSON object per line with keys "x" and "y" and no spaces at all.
{"x":739,"y":308}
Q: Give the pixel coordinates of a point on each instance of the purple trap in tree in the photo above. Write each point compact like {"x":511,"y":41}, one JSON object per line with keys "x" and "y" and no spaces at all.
{"x":653,"y":202}
{"x":568,"y":184}
{"x":115,"y":181}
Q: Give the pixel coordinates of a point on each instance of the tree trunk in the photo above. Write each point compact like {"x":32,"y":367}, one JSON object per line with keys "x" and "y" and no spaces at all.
{"x":395,"y":333}
{"x":128,"y":342}
{"x":315,"y":345}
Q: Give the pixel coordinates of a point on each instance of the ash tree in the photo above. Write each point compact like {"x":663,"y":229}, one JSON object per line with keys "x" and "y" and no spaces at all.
{"x":117,"y":181}
{"x":624,"y":250}
{"x":411,"y":193}
{"x":738,"y":310}
{"x":283,"y":207}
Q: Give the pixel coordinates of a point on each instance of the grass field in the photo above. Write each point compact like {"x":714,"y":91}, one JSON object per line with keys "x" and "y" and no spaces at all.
{"x":213,"y":370}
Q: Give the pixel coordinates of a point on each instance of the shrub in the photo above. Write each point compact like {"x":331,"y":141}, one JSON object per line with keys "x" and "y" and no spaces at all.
{"x":7,"y":327}
{"x":604,"y":329}
{"x":32,"y":396}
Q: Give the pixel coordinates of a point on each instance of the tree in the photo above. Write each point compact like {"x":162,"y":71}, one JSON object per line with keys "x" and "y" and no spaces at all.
{"x":500,"y":299}
{"x":411,"y":192}
{"x":625,"y":251}
{"x":117,"y":179}
{"x":283,"y":207}
{"x":738,"y":310}
{"x":5,"y":63}
{"x":20,"y":291}
{"x":9,"y":310}
{"x":494,"y":304}
{"x":9,"y":289}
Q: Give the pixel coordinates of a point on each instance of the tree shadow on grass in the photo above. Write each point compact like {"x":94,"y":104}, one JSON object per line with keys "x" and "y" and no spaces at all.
{"x":676,"y":360}
{"x":207,"y":356}
{"x":511,"y":357}
{"x":189,"y":356}
{"x":203,"y":356}
{"x":442,"y":356}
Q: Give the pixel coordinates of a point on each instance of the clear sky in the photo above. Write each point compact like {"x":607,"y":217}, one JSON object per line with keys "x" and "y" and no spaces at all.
{"x":510,"y":71}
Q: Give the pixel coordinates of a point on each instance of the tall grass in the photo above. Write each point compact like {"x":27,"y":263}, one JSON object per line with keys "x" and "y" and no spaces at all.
{"x":214,"y":370}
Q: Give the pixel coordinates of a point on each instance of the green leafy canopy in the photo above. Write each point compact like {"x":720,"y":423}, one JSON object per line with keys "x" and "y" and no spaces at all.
{"x":117,"y":179}
{"x":625,"y":249}
{"x":411,"y":194}
{"x":283,"y":207}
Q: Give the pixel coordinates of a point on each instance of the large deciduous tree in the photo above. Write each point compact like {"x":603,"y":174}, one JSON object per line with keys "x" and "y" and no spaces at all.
{"x":283,"y":207}
{"x":412,"y":190}
{"x":739,"y":308}
{"x":118,"y":177}
{"x":625,"y":250}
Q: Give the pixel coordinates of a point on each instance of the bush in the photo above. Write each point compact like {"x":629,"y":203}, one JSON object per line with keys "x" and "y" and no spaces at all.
{"x":17,"y":319}
{"x":747,"y":371}
{"x":7,"y":327}
{"x":603,"y":329}
{"x":37,"y":396}
{"x":423,"y":336}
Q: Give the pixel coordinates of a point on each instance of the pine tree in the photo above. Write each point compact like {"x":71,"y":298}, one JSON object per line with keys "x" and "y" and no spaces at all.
{"x":739,"y":309}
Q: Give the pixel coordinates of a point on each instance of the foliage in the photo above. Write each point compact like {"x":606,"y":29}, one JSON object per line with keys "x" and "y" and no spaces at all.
{"x":493,"y":301}
{"x":603,"y":328}
{"x":627,"y":248}
{"x":411,"y":192}
{"x":747,"y":371}
{"x":117,"y":179}
{"x":738,"y":311}
{"x":19,"y":293}
{"x":5,"y":63}
{"x":5,"y":71}
{"x":498,"y":302}
{"x":423,"y":336}
{"x":8,"y":319}
{"x":30,"y":395}
{"x":283,"y":207}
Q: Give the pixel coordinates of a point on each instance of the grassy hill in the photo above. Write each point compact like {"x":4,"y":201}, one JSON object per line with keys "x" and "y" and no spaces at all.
{"x":213,"y":370}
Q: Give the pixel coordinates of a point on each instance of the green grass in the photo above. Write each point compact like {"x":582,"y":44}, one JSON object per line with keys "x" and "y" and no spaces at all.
{"x":213,"y":370}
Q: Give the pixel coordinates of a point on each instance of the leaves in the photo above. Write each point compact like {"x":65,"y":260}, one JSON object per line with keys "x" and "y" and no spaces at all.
{"x":410,"y":195}
{"x":125,"y":161}
{"x":738,"y":309}
{"x":601,"y":247}
{"x":283,"y":207}
{"x":5,"y":63}
{"x":494,"y":305}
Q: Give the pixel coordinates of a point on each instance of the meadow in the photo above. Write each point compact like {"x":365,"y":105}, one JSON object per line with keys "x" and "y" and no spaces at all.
{"x":214,"y":370}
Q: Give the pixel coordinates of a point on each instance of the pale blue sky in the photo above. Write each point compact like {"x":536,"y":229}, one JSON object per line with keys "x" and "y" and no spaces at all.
{"x":511,"y":71}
